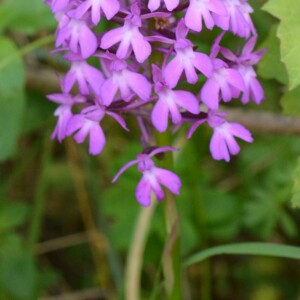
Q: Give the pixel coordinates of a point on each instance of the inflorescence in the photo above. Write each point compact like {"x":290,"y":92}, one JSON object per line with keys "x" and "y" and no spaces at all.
{"x":143,"y":56}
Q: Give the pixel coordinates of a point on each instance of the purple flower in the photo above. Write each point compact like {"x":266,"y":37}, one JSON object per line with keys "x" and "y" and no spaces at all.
{"x":238,"y":18}
{"x":109,"y":7}
{"x":89,"y":78}
{"x":63,"y":112}
{"x":223,"y":141}
{"x":186,"y":60}
{"x":225,"y":83}
{"x":244,"y":62}
{"x":129,"y":36}
{"x":127,"y":82}
{"x":202,"y":9}
{"x":77,"y":35}
{"x":58,"y":5}
{"x":170,"y":4}
{"x":253,"y":89}
{"x":87,"y":124}
{"x":170,"y":101}
{"x":153,"y":177}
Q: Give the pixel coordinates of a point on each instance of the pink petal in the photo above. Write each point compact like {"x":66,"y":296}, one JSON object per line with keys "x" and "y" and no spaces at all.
{"x":173,"y":71}
{"x":159,"y":116}
{"x":153,"y":4}
{"x":193,"y":19}
{"x":171,"y":4}
{"x":110,"y":8}
{"x":108,"y":91}
{"x":170,"y":180}
{"x":241,"y":132}
{"x":203,"y":63}
{"x":111,"y":38}
{"x":143,"y":192}
{"x":97,"y":140}
{"x":68,"y":81}
{"x":210,"y":93}
{"x":88,"y":42}
{"x":256,"y":90}
{"x":187,"y":101}
{"x":218,"y":147}
{"x":141,"y":47}
{"x":124,"y":48}
{"x":94,"y":78}
{"x":139,"y":84}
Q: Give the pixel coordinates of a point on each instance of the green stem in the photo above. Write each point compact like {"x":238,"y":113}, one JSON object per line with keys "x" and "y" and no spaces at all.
{"x":27,"y":49}
{"x":40,"y":196}
{"x":171,"y":260}
{"x":206,"y":278}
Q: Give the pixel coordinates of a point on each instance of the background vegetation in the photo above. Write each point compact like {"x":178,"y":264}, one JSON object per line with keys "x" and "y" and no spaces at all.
{"x":65,"y":230}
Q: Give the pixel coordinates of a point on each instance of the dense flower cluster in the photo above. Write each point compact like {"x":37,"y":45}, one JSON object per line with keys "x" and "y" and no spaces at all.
{"x":143,"y":55}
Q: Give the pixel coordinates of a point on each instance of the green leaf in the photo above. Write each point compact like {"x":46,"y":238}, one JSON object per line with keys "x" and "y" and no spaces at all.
{"x":270,"y":66}
{"x":290,"y":102}
{"x":27,"y":16}
{"x":12,"y":78}
{"x":18,"y":273}
{"x":252,"y":248}
{"x":12,"y":215}
{"x":288,"y":33}
{"x":296,"y":188}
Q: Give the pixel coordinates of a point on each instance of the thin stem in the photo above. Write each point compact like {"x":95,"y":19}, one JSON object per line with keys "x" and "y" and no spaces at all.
{"x":171,"y":260}
{"x":40,"y":196}
{"x":113,"y":258}
{"x":27,"y":49}
{"x":136,"y":251}
{"x":86,"y":210}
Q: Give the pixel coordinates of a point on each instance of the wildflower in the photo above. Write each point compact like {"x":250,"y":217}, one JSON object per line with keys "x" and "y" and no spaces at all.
{"x":169,"y":101}
{"x":64,"y":112}
{"x":237,"y":19}
{"x":223,"y":142}
{"x":186,"y":60}
{"x":129,"y":36}
{"x":170,"y":4}
{"x":225,"y":83}
{"x":89,"y":78}
{"x":152,"y":178}
{"x":126,"y":81}
{"x":109,"y":7}
{"x":87,"y":123}
{"x":77,"y":35}
{"x":202,"y":9}
{"x":244,"y":62}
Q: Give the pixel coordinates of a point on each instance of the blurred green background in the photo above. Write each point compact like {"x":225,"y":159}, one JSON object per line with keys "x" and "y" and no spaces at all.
{"x":65,"y":230}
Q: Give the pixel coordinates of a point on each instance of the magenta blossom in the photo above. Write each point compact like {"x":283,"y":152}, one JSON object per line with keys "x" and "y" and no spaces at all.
{"x":225,"y":83}
{"x":244,"y":62}
{"x":169,"y":102}
{"x":203,"y":9}
{"x":77,"y":35}
{"x":89,"y":78}
{"x":170,"y":4}
{"x":237,"y":19}
{"x":223,"y":142}
{"x":87,"y":123}
{"x":129,"y":37}
{"x":64,"y":112}
{"x":108,"y":7}
{"x":126,"y":81}
{"x":153,"y":177}
{"x":186,"y":60}
{"x":58,"y":5}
